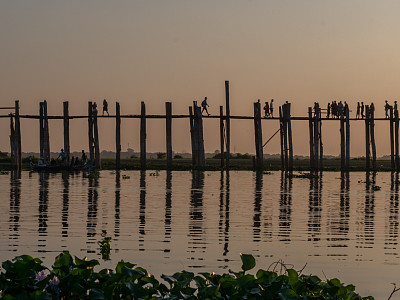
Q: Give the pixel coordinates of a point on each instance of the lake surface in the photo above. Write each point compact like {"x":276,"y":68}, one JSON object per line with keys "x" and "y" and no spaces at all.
{"x":341,"y":225}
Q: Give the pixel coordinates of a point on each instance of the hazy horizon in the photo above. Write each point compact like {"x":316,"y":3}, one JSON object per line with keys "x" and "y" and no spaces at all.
{"x":179,"y":51}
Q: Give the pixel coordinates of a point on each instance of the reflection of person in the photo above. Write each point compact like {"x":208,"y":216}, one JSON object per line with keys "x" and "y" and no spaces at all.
{"x":105,"y":107}
{"x":204,"y":105}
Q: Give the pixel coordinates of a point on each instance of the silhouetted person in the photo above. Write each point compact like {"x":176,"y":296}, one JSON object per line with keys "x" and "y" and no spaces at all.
{"x":358,"y":110}
{"x":387,"y":106}
{"x":94,"y":107}
{"x":395,"y":106}
{"x":362,"y":110}
{"x":204,"y":105}
{"x":266,"y":109}
{"x":271,"y":108}
{"x":328,"y":110}
{"x":105,"y":107}
{"x":62,"y":155}
{"x":83,"y":157}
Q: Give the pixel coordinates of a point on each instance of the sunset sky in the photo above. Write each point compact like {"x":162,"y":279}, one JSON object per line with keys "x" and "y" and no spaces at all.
{"x":179,"y":51}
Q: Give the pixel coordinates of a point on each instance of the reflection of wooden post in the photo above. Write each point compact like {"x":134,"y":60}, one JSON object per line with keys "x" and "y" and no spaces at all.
{"x":281,"y":137}
{"x":311,"y":133}
{"x":18,"y":137}
{"x":192,"y":135}
{"x":396,"y":139}
{"x":117,"y":136}
{"x":96,"y":140}
{"x":228,"y":125}
{"x":290,"y":142}
{"x":66,"y":131}
{"x":392,"y":165}
{"x":367,"y":141}
{"x":221,"y":133}
{"x":90,"y":129}
{"x":258,"y":135}
{"x":347,"y":139}
{"x":168,"y":127}
{"x":142,"y":136}
{"x":372,"y":133}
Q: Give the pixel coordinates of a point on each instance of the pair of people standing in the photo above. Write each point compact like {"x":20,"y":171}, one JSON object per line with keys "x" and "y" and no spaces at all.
{"x":269,"y":109}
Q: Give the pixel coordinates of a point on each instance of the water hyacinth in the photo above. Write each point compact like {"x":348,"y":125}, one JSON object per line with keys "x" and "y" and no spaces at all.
{"x":74,"y":278}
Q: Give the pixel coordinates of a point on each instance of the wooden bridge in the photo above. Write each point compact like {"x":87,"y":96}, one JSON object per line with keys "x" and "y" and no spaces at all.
{"x":195,"y":117}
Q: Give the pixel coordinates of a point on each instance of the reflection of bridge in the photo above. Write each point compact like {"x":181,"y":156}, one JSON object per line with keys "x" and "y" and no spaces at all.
{"x":195,"y":117}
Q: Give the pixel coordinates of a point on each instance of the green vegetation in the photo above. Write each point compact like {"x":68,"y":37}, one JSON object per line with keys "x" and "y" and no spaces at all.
{"x":105,"y":248}
{"x":73,"y":278}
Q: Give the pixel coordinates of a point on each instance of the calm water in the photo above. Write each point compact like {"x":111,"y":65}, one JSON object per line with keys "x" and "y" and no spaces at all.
{"x":169,"y":221}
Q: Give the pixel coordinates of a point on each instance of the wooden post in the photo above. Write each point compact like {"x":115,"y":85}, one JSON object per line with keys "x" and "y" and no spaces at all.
{"x":347,"y":139}
{"x":372,"y":133}
{"x":316,"y":136}
{"x":228,"y":126}
{"x":46,"y":132}
{"x":41,"y":130}
{"x":18,"y":137}
{"x":90,"y":131}
{"x":221,"y":133}
{"x":321,"y":146}
{"x":396,"y":139}
{"x":392,"y":164}
{"x":66,"y":131}
{"x":192,"y":135}
{"x":285,"y":139}
{"x":342,"y":144}
{"x":281,"y":137}
{"x":367,"y":141}
{"x":198,"y":120}
{"x":117,"y":136}
{"x":311,"y":133}
{"x":290,"y":141}
{"x":258,"y":135}
{"x":168,"y":128}
{"x":143,"y":136}
{"x":96,"y":140}
{"x":12,"y":141}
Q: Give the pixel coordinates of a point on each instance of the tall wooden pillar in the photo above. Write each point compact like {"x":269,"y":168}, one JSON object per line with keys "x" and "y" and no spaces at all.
{"x":41,"y":130}
{"x":311,"y":133}
{"x":90,"y":132}
{"x":285,"y":139}
{"x":316,"y":136}
{"x":367,"y":140}
{"x":396,"y":139}
{"x":12,"y":141}
{"x":342,"y":144}
{"x":66,"y":131}
{"x":372,"y":133}
{"x":142,"y":136}
{"x":96,"y":140}
{"x":281,"y":138}
{"x":258,"y":135}
{"x":290,"y":141}
{"x":117,"y":136}
{"x":228,"y":125}
{"x":347,"y":139}
{"x":198,"y":133}
{"x":192,"y":135}
{"x":46,"y":133}
{"x":17,"y":141}
{"x":221,"y":134}
{"x":168,"y":135}
{"x":391,"y":131}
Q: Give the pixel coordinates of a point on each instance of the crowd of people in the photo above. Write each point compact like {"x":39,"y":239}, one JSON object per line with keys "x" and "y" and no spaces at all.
{"x":61,"y":161}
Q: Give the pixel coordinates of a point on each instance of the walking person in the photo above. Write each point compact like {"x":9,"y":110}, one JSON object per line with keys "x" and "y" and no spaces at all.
{"x":271,"y":108}
{"x":358,"y":110}
{"x":395,"y":106}
{"x":328,"y":110}
{"x":105,"y":107}
{"x":266,"y":109}
{"x":204,"y":105}
{"x":387,"y":106}
{"x":362,"y":110}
